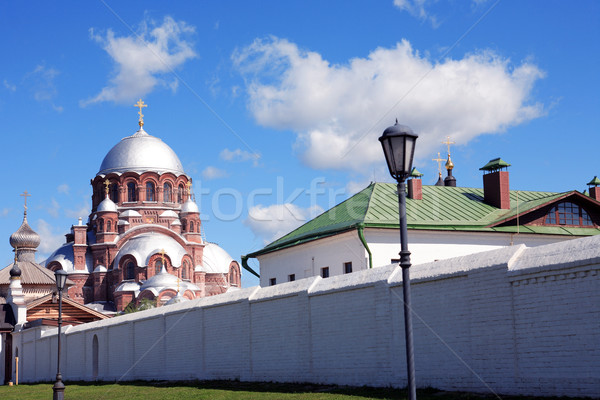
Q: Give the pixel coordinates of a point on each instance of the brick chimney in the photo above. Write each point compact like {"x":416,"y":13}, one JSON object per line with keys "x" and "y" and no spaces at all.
{"x":495,"y":184}
{"x":594,"y":189}
{"x":415,"y":185}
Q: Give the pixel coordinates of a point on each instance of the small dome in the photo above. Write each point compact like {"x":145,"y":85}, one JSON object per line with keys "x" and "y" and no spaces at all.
{"x":140,"y":153}
{"x":190,"y":207}
{"x":215,"y":259}
{"x":107,"y":205}
{"x":15,"y":271}
{"x":25,"y":237}
{"x":100,"y":268}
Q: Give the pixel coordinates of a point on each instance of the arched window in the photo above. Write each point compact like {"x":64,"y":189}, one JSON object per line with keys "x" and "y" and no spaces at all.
{"x":100,"y":225}
{"x":180,"y":194}
{"x":184,"y":270}
{"x":157,"y":266}
{"x":150,"y":191}
{"x":131,"y":192}
{"x":183,"y":225}
{"x":192,"y":226}
{"x":568,"y":213}
{"x":130,"y":270}
{"x":95,"y":356}
{"x":108,"y":226}
{"x":114,"y":192}
{"x":167,"y":193}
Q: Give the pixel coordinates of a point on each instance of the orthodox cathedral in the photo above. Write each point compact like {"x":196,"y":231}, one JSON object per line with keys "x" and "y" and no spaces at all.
{"x":143,"y":238}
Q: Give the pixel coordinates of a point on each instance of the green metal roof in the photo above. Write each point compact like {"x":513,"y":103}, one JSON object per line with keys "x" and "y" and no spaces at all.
{"x":442,"y":208}
{"x":494,"y":165}
{"x":594,"y":182}
{"x":415,"y":173}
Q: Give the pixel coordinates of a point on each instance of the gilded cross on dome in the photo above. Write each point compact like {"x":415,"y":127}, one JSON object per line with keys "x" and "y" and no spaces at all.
{"x":448,"y":143}
{"x":439,"y":161}
{"x":140,"y":104}
{"x":162,"y":254}
{"x":189,"y":189}
{"x":25,"y":195}
{"x":106,"y":185}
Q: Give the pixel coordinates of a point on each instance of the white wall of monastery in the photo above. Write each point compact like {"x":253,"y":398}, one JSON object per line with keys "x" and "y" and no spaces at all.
{"x":425,"y":246}
{"x":515,"y":320}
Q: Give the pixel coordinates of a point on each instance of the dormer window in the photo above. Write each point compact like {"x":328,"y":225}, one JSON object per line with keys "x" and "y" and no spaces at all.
{"x":568,"y":213}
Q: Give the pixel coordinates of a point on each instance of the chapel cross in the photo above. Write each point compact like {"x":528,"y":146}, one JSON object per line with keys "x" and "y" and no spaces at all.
{"x":106,"y":185}
{"x":162,"y":253}
{"x":189,"y":187}
{"x":140,"y":104}
{"x":439,"y":161}
{"x":25,"y":195}
{"x":448,"y":143}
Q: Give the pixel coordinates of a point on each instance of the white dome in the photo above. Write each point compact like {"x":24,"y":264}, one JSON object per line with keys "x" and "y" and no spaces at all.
{"x":107,"y":205}
{"x":189,"y":207}
{"x":140,"y":153}
{"x":215,"y":259}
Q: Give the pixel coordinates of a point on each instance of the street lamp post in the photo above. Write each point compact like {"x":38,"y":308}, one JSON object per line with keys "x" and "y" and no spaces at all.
{"x":59,"y":386}
{"x":398,"y":142}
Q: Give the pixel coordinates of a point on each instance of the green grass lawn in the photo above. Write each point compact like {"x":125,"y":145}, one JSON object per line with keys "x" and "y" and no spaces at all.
{"x":221,"y":390}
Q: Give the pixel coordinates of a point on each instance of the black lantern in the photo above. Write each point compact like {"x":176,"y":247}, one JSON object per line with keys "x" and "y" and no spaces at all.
{"x":61,"y":279}
{"x":59,"y":387}
{"x":398,"y":142}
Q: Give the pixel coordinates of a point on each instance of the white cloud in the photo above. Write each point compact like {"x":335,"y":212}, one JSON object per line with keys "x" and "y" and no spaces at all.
{"x":63,"y":188}
{"x":239,"y":155}
{"x":416,"y":8}
{"x":53,"y":208}
{"x":50,"y":239}
{"x":339,"y":111}
{"x":9,"y":86}
{"x":43,"y":86}
{"x":5,"y":211}
{"x":82,"y":211}
{"x":213,"y":173}
{"x":143,"y":59}
{"x":276,"y":220}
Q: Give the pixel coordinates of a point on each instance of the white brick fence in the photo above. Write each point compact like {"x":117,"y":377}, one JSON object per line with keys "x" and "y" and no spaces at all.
{"x":515,"y":321}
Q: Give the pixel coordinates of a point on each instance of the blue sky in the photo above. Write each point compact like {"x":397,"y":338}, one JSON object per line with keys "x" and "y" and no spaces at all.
{"x":274,"y":108}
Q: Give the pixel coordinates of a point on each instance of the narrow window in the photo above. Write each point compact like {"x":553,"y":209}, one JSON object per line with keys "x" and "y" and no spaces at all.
{"x":167,"y":193}
{"x":108,"y":226}
{"x":131,"y":195}
{"x":192,"y":226}
{"x":130,"y":270}
{"x":157,"y":266}
{"x":95,"y":356}
{"x":325,"y":272}
{"x":291,"y":277}
{"x":184,"y":271}
{"x":101,"y":225}
{"x":150,"y":191}
{"x":273,"y":281}
{"x":347,"y":267}
{"x":114,"y":192}
{"x":183,"y":225}
{"x":180,"y":194}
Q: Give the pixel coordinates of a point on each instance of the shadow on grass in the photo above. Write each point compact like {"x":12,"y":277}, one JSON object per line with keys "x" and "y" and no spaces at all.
{"x":299,"y":388}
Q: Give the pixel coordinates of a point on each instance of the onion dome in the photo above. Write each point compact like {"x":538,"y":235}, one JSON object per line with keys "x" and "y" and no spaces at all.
{"x":189,"y":206}
{"x":139,"y":153}
{"x":107,"y":205}
{"x":15,"y":271}
{"x":25,"y":237}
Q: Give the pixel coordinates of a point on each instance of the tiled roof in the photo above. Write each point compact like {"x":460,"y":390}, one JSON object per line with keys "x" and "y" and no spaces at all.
{"x":31,"y":274}
{"x":442,"y":208}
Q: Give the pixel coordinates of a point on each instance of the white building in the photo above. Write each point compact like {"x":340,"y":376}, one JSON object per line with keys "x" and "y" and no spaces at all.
{"x":443,"y":222}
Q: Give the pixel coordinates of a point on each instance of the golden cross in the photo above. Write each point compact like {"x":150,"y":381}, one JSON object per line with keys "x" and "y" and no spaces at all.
{"x":189,"y":185}
{"x":162,"y":253}
{"x":177,"y":285}
{"x":106,"y":184}
{"x":141,"y":105}
{"x":448,"y":143}
{"x":439,"y":161}
{"x":25,"y":195}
